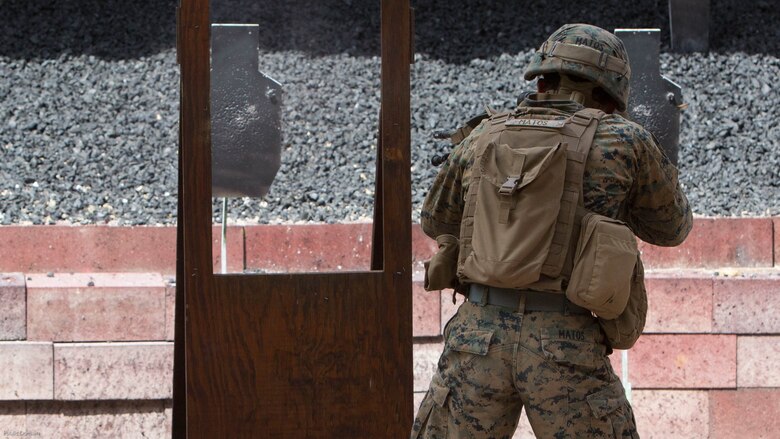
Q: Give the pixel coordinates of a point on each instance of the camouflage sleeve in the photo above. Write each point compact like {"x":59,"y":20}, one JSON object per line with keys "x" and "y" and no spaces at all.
{"x":442,"y":209}
{"x":658,"y":211}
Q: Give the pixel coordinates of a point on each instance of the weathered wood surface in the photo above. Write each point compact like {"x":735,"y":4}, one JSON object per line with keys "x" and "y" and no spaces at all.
{"x":326,"y":355}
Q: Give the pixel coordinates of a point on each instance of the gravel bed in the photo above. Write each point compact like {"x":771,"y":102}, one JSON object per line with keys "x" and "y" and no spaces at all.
{"x":89,"y":102}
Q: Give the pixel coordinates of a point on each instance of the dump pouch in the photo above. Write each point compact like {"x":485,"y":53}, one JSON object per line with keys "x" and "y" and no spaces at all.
{"x":440,"y":271}
{"x":604,"y":263}
{"x":623,"y":331}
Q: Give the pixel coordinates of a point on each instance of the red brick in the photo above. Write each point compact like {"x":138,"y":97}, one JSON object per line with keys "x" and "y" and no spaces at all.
{"x":103,"y":249}
{"x":170,"y":311}
{"x":678,"y":304}
{"x":423,"y":247}
{"x":684,"y":361}
{"x":426,"y":357}
{"x":26,"y":371}
{"x":663,"y":414}
{"x":114,"y":371}
{"x":756,"y":360}
{"x":13,"y":307}
{"x":97,"y":419}
{"x":120,"y":306}
{"x":776,"y":222}
{"x":745,"y":413}
{"x":234,"y":247}
{"x":426,"y":313}
{"x":717,"y":242}
{"x":88,"y":248}
{"x":747,"y":306}
{"x":310,"y":247}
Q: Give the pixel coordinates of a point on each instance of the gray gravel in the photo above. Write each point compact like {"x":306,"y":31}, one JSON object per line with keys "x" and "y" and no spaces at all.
{"x":89,"y":102}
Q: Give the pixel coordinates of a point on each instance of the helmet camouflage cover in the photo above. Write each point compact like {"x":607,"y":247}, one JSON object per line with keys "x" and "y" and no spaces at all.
{"x":589,"y":52}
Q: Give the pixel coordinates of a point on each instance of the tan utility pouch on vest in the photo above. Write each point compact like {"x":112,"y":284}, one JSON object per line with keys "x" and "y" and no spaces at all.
{"x":508,"y":178}
{"x":440,"y":271}
{"x":623,"y":331}
{"x":520,"y":207}
{"x":603,"y":266}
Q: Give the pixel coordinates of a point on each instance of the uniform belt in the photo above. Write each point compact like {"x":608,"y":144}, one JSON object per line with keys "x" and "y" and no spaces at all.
{"x":534,"y":300}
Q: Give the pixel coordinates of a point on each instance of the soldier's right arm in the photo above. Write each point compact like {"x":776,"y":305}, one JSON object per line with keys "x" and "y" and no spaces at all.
{"x":658,"y":211}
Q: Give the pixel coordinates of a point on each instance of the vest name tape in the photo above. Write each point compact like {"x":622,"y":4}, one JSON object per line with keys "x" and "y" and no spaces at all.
{"x":535,"y":123}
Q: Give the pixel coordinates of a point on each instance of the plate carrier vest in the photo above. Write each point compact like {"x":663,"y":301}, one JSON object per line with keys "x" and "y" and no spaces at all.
{"x":524,"y":203}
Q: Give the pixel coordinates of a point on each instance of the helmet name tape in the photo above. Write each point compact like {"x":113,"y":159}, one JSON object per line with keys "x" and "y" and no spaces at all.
{"x":580,"y":41}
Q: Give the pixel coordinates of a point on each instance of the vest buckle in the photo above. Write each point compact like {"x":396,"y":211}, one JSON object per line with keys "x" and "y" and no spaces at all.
{"x":510,"y":185}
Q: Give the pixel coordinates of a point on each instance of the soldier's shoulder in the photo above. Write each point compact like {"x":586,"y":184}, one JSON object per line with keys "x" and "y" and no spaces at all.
{"x":625,"y":129}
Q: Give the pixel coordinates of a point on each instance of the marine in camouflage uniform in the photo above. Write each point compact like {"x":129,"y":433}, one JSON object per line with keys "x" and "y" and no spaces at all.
{"x":497,"y":360}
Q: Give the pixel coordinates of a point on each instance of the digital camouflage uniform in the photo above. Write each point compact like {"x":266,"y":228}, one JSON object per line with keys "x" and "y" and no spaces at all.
{"x":626,"y":177}
{"x":498,"y":360}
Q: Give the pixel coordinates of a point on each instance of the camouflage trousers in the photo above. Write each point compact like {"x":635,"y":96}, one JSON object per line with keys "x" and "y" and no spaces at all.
{"x":497,"y":360}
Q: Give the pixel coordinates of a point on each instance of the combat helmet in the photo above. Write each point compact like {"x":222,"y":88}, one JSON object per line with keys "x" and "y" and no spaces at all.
{"x":589,"y":52}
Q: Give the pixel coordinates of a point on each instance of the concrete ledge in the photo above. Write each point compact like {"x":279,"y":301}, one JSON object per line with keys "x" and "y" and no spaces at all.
{"x":96,"y":307}
{"x":13,"y":307}
{"x":113,"y":371}
{"x":26,"y":371}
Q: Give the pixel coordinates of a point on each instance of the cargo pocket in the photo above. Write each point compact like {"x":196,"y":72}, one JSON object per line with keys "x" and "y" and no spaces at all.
{"x":472,"y":342}
{"x":433,"y":416}
{"x":612,"y":416}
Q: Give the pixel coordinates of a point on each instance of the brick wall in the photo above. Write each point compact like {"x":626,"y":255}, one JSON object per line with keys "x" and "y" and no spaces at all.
{"x":86,"y":328}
